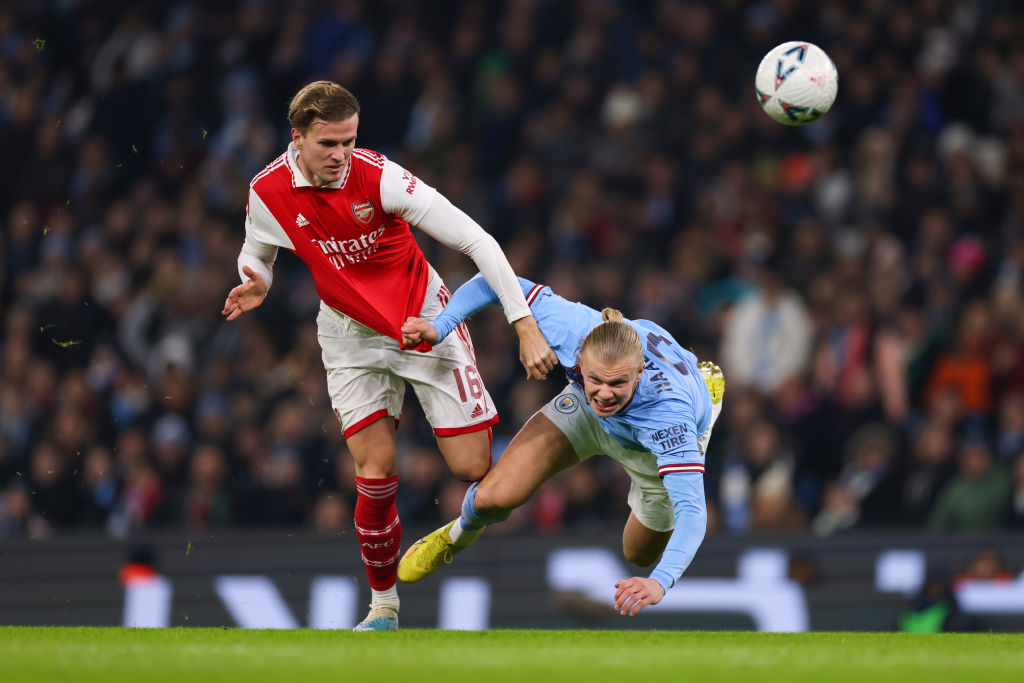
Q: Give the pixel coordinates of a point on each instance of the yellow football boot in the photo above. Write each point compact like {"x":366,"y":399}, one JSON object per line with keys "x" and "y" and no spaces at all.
{"x":427,"y":554}
{"x":714,"y":378}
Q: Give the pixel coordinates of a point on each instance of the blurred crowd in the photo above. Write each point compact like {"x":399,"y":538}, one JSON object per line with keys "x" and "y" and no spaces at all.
{"x":859,"y":280}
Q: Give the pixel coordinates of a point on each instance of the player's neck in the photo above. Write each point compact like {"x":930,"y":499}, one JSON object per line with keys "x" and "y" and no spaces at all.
{"x":313,"y":179}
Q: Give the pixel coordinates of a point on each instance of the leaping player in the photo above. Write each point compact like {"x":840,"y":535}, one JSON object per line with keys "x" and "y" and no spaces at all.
{"x":635,"y":394}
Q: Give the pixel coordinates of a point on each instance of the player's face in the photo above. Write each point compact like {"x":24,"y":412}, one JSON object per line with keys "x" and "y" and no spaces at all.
{"x":608,"y":386}
{"x":326,"y":149}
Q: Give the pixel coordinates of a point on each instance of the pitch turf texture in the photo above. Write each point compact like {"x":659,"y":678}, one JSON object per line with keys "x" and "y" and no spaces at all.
{"x":188,"y":655}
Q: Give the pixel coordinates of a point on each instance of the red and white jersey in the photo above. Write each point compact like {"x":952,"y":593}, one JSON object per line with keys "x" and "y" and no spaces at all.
{"x":353,"y":234}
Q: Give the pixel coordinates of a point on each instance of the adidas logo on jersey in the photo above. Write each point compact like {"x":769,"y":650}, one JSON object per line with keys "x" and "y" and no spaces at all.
{"x":477,"y":412}
{"x":301,"y":221}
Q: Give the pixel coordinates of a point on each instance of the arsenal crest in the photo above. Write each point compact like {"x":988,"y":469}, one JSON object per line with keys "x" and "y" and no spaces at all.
{"x":363,"y":211}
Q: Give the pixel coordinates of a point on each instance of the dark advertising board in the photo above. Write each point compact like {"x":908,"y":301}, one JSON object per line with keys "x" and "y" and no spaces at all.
{"x":291,"y":580}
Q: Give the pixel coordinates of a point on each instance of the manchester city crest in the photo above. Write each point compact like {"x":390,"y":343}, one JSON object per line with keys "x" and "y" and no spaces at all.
{"x":567,"y":403}
{"x":363,"y":211}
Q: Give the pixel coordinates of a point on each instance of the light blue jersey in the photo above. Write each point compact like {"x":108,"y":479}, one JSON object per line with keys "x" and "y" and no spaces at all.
{"x":671,"y":406}
{"x":669,"y":409}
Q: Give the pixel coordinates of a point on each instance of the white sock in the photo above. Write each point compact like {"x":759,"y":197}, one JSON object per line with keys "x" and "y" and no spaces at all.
{"x":463,"y":537}
{"x":387,"y":597}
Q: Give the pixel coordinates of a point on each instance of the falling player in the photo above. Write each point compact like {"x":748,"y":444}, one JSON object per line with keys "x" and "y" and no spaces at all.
{"x":633,"y":394}
{"x":346,"y":212}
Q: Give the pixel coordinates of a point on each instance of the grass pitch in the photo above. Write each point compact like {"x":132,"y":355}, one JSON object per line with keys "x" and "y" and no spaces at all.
{"x":188,"y":655}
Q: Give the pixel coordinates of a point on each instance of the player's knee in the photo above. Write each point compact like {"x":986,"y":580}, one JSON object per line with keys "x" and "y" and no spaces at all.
{"x":643,"y":557}
{"x":472,"y":470}
{"x":468,"y":455}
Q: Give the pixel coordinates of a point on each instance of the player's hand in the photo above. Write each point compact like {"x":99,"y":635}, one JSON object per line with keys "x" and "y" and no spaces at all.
{"x":632,"y":595}
{"x":416,"y":330}
{"x":534,"y":352}
{"x":245,"y":296}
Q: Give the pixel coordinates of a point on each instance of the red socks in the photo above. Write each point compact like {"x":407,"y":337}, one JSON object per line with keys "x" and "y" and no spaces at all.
{"x":378,"y":529}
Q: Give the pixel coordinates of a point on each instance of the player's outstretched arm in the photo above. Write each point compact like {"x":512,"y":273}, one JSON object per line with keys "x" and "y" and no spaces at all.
{"x":686,"y":491}
{"x":447,"y":224}
{"x":245,"y":296}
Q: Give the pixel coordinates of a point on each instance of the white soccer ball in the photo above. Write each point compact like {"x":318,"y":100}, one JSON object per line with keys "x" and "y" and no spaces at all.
{"x":796,"y":83}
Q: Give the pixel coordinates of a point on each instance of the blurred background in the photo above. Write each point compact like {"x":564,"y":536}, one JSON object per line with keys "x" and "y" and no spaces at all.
{"x":859,"y":279}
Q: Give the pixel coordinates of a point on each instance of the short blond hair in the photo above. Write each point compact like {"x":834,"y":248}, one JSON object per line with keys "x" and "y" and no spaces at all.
{"x":321,"y":100}
{"x":612,"y":341}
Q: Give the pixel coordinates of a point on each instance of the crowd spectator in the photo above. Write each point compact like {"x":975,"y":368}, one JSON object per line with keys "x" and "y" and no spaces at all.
{"x":976,"y":499}
{"x":859,"y":279}
{"x":767,"y":338}
{"x":929,"y":470}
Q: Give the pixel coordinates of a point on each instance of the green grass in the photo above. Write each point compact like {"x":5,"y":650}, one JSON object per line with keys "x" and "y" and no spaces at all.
{"x":188,"y":655}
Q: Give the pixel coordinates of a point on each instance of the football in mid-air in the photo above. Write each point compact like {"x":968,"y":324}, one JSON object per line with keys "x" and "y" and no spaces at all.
{"x":796,"y":83}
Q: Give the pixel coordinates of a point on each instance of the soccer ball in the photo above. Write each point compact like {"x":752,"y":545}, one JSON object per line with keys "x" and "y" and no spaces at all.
{"x":796,"y":83}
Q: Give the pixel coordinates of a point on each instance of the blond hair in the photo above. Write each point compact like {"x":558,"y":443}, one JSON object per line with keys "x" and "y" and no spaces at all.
{"x":613,"y":341}
{"x":321,"y":100}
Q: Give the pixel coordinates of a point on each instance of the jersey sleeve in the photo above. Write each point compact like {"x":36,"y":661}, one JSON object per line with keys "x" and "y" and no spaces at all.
{"x":403,"y":194}
{"x":686,"y":491}
{"x":259,"y":257}
{"x":470,"y":298}
{"x":564,"y":323}
{"x":668,"y":432}
{"x":262,"y":231}
{"x":263,"y":236}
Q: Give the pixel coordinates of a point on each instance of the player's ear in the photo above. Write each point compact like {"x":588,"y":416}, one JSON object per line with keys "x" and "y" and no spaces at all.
{"x":297,"y":137}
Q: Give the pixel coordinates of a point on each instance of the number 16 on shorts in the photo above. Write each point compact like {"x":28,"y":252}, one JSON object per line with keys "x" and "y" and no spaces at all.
{"x":472,"y":381}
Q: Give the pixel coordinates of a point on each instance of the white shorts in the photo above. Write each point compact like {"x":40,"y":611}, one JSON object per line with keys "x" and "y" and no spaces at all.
{"x":367,"y":372}
{"x":648,"y":498}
